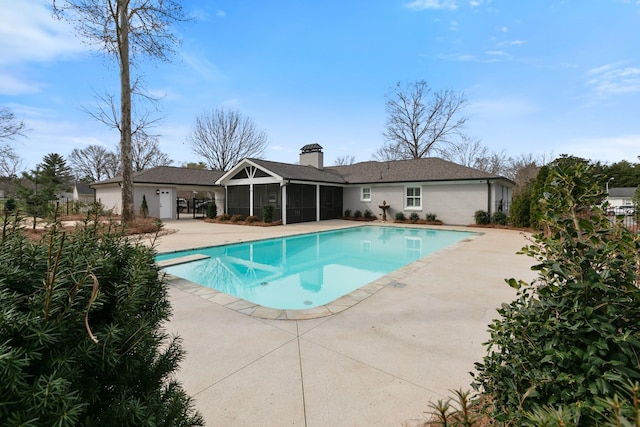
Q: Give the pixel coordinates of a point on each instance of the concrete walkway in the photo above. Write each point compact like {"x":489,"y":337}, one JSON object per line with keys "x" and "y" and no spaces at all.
{"x":378,"y":363}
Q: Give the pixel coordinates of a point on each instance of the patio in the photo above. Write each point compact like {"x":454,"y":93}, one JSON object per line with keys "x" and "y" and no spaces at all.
{"x":379,"y":362}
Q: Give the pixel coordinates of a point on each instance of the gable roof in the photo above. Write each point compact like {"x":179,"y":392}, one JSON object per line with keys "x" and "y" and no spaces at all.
{"x":171,"y":175}
{"x":83,"y":188}
{"x":299,"y":172}
{"x":413,"y":170}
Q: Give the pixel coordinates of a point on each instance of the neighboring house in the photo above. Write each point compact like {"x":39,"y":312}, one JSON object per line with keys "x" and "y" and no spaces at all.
{"x":160,"y":186}
{"x":621,"y":196}
{"x":83,"y":193}
{"x":311,"y":192}
{"x":621,"y":200}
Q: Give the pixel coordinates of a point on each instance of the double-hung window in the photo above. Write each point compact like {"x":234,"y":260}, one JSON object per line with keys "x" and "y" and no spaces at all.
{"x":365,"y":194}
{"x":413,"y":197}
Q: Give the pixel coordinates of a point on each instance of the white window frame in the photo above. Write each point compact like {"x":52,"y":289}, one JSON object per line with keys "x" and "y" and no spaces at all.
{"x":413,"y":197}
{"x":364,"y":198}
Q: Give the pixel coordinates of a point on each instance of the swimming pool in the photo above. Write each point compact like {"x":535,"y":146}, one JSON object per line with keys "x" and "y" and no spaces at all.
{"x":308,"y":270}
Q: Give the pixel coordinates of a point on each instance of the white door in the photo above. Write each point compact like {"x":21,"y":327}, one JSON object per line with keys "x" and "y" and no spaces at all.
{"x":165,"y":203}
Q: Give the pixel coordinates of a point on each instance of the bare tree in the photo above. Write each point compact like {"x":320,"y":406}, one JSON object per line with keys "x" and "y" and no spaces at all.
{"x":10,"y":162}
{"x":391,"y":151}
{"x":10,"y":126}
{"x":223,"y":138}
{"x":345,"y":160}
{"x":125,"y":29}
{"x":467,"y":151}
{"x":420,"y":117}
{"x":94,"y":163}
{"x":147,"y":154}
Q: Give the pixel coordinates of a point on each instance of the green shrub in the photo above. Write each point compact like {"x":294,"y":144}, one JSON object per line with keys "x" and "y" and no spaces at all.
{"x":571,"y":337}
{"x":400,"y":216}
{"x":368,"y":214}
{"x":267,"y":213}
{"x":347,"y":213}
{"x":520,"y":210}
{"x":431,"y":217}
{"x":482,"y":217}
{"x":499,"y":218}
{"x":10,"y":205}
{"x":413,"y":217}
{"x":212,"y":209}
{"x":357,"y":214}
{"x":82,"y":321}
{"x":144,"y":208}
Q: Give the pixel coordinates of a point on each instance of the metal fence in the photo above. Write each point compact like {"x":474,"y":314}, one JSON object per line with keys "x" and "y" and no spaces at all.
{"x":59,"y":207}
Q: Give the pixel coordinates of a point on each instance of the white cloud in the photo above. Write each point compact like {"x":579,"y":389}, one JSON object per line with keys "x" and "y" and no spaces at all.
{"x":221,"y":13}
{"x":12,"y":85}
{"x":30,"y":33}
{"x":432,"y":4}
{"x":614,"y":79}
{"x":499,"y":109}
{"x":202,"y":66}
{"x":608,"y":149}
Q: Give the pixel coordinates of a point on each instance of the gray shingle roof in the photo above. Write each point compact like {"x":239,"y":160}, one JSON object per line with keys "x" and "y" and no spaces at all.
{"x":414,"y":170}
{"x":626,"y":192}
{"x":172,"y":175}
{"x":298,"y":172}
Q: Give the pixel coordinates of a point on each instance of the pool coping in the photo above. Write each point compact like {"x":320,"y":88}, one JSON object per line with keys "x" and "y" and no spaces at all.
{"x":393,"y":279}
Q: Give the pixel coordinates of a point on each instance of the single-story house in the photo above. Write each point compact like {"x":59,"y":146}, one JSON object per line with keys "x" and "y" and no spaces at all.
{"x":309,"y":191}
{"x":160,"y":187}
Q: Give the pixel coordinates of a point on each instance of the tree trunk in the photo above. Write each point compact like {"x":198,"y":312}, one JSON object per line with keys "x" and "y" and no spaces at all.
{"x":128,"y":211}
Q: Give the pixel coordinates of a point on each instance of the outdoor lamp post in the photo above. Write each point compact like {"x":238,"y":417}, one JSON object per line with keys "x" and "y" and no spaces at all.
{"x":607,"y":184}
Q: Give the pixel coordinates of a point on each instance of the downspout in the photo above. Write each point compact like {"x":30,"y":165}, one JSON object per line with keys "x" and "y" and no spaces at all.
{"x":489,"y":197}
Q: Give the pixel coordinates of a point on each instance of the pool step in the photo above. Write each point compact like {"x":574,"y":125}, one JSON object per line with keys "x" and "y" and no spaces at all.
{"x":181,"y":260}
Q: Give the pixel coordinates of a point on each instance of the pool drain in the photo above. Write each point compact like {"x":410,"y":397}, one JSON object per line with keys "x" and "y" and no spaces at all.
{"x":264,"y":283}
{"x":307,"y":302}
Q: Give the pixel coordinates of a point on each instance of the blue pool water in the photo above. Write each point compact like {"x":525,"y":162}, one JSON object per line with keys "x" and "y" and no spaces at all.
{"x":309,"y":270}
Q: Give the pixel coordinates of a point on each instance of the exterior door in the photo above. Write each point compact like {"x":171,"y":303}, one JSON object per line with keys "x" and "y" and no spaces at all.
{"x":165,"y":203}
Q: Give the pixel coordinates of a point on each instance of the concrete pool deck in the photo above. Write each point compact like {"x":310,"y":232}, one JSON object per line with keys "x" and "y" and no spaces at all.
{"x":377,"y":363}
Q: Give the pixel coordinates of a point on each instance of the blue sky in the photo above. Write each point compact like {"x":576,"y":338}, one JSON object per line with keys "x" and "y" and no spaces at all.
{"x":543,"y":77}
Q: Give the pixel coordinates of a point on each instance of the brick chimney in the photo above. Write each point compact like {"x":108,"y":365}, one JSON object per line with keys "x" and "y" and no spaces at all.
{"x":311,"y":155}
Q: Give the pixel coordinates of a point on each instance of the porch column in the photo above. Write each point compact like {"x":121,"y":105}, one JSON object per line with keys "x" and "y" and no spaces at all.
{"x":251,"y":199}
{"x":318,"y":202}
{"x":284,"y":203}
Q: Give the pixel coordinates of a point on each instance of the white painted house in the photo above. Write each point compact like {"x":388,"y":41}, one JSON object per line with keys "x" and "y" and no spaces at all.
{"x":309,"y":191}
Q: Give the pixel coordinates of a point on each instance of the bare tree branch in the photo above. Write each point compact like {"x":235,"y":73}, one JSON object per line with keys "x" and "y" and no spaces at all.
{"x":419,"y":118}
{"x":223,"y":138}
{"x":10,"y":126}
{"x":125,"y":29}
{"x":147,"y":154}
{"x":345,"y":160}
{"x":94,"y":163}
{"x":10,"y":163}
